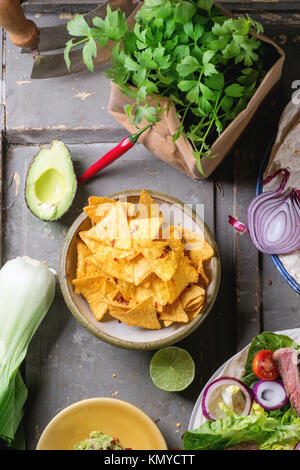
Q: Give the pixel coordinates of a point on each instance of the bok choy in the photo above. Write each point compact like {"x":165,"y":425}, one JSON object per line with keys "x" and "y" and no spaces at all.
{"x":27,"y":289}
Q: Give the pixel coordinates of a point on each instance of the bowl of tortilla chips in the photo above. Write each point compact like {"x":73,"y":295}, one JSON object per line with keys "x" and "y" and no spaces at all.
{"x":139,"y":269}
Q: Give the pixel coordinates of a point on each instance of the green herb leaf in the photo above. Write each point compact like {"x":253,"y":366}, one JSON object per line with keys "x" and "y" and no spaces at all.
{"x":186,"y":85}
{"x":89,"y":51}
{"x":68,"y":47}
{"x":128,"y":110}
{"x":187,"y":66}
{"x":182,"y":51}
{"x":193,"y":94}
{"x":78,"y":26}
{"x":235,"y":90}
{"x":215,"y":81}
{"x":138,"y":114}
{"x":150,"y":114}
{"x":115,"y":24}
{"x":207,"y":93}
{"x":193,"y":31}
{"x":184,"y":11}
{"x":131,"y":65}
{"x":205,"y":5}
{"x":226,"y":104}
{"x":141,"y":94}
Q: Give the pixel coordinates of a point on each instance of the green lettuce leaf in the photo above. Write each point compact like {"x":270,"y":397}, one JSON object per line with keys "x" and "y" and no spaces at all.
{"x":268,"y":433}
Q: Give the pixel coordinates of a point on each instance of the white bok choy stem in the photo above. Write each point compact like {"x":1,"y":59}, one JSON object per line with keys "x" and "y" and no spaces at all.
{"x":27,"y":289}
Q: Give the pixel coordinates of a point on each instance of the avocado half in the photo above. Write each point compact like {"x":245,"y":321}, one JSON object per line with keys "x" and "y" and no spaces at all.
{"x":51,"y":182}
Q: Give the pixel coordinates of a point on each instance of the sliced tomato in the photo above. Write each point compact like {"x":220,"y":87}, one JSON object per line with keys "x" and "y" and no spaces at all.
{"x":264,"y":366}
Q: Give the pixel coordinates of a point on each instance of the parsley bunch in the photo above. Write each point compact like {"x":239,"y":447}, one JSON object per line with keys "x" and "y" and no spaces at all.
{"x":207,"y":64}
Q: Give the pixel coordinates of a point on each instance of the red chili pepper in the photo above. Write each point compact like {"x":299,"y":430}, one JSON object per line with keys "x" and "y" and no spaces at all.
{"x":112,"y":155}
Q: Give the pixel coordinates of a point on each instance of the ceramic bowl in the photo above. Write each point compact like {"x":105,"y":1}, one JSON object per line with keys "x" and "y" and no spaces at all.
{"x":134,"y":429}
{"x":109,"y":329}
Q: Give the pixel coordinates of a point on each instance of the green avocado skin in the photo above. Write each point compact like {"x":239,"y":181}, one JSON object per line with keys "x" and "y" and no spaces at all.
{"x":97,"y":440}
{"x":51,"y":183}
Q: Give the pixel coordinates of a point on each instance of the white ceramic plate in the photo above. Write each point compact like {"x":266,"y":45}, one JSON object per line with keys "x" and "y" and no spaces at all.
{"x":230,"y":369}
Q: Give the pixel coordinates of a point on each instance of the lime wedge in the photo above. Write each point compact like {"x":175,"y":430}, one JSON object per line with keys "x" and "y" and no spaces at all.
{"x":172,"y":369}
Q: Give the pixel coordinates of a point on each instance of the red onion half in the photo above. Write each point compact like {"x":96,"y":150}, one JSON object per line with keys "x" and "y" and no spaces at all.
{"x":223,"y":382}
{"x":273,"y":219}
{"x":297,"y":446}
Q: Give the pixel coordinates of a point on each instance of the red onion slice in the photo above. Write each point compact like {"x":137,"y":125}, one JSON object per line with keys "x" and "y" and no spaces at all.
{"x":271,"y":395}
{"x":274,"y":220}
{"x":237,"y":225}
{"x":297,"y":446}
{"x":222,"y":382}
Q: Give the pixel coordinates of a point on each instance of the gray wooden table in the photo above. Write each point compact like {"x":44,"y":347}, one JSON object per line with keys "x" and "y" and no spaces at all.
{"x":65,"y":363}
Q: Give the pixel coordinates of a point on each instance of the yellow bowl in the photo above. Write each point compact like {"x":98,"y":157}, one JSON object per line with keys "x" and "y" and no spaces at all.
{"x":114,"y":417}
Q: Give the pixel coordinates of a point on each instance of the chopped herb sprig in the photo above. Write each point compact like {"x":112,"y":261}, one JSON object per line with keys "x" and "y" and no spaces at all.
{"x":207,"y":64}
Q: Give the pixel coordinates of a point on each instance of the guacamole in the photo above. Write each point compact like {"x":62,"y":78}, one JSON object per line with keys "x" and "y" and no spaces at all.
{"x":97,"y":440}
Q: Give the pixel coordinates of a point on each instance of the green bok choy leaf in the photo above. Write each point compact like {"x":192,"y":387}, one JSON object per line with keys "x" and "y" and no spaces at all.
{"x":27,"y":289}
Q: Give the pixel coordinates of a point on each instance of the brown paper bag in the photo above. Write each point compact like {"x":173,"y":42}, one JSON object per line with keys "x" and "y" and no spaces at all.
{"x":158,"y":139}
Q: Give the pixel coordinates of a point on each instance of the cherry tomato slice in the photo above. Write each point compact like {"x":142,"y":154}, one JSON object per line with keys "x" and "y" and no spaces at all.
{"x":264,"y":366}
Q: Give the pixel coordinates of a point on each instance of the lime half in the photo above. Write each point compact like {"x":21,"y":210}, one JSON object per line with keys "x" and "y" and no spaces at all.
{"x":172,"y":369}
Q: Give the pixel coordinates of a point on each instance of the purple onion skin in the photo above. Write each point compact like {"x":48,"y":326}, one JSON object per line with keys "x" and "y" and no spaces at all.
{"x":267,"y":206}
{"x":270,"y":408}
{"x":297,"y":446}
{"x":222,"y":379}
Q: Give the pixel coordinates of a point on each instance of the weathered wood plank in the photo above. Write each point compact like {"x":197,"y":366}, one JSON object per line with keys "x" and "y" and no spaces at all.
{"x":40,"y":6}
{"x":281,"y":305}
{"x":71,"y":108}
{"x":225,"y":330}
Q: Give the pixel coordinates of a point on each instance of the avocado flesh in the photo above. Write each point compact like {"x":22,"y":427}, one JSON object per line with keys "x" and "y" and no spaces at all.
{"x":51,"y":182}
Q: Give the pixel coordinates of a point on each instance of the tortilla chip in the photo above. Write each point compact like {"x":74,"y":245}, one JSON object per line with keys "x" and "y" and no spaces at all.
{"x":119,"y":304}
{"x":132,"y":293}
{"x":173,"y":232}
{"x":192,"y":297}
{"x":203,"y":274}
{"x":174,"y":312}
{"x":147,"y":207}
{"x":159,"y":291}
{"x":114,"y":267}
{"x":186,"y":274}
{"x":146,"y":283}
{"x":199,"y":251}
{"x":98,"y":211}
{"x":141,"y":269}
{"x":197,"y":245}
{"x":84,"y":268}
{"x":167,"y":323}
{"x":142,"y":315}
{"x":82,"y":253}
{"x":194,"y":313}
{"x":93,"y":289}
{"x":162,"y":258}
{"x":112,"y":229}
{"x":144,"y":230}
{"x":92,"y":244}
{"x":95,"y":200}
